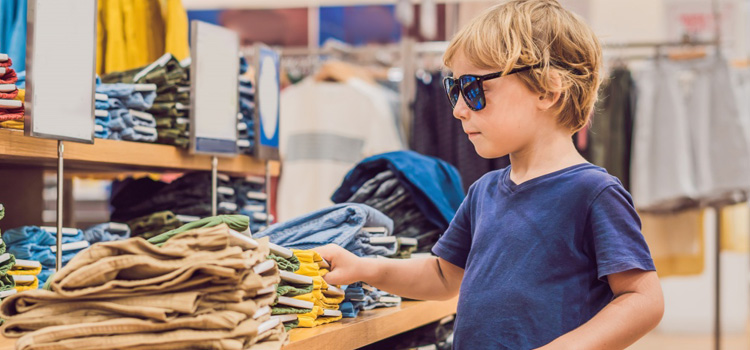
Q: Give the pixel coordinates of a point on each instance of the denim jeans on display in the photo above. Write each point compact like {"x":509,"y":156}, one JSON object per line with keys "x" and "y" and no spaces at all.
{"x":140,"y":100}
{"x":139,"y":134}
{"x":104,"y":233}
{"x":340,"y":224}
{"x":101,"y":104}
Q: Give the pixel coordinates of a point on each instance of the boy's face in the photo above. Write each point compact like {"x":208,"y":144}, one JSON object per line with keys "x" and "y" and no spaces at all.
{"x":510,"y":119}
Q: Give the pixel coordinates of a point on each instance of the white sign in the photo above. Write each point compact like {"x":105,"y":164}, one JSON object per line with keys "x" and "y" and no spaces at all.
{"x":214,"y":81}
{"x":61,"y":42}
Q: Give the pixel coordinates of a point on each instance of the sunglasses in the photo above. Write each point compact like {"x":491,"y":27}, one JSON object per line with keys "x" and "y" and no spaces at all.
{"x":472,"y":88}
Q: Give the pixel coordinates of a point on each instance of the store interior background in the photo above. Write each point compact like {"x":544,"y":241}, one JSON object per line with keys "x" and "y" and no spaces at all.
{"x":688,"y":319}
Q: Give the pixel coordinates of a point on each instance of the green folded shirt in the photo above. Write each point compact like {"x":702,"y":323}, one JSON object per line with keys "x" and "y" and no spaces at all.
{"x":238,"y":223}
{"x":286,"y":264}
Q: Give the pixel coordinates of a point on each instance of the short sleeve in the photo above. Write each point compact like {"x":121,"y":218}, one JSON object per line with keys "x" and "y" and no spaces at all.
{"x":615,"y":227}
{"x":455,"y":243}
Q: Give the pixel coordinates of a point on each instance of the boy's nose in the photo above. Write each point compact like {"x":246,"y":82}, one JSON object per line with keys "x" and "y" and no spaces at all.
{"x":461,"y":111}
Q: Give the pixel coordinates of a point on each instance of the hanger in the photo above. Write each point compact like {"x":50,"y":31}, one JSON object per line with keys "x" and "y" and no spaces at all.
{"x":333,"y":290}
{"x":255,"y":179}
{"x":145,"y":130}
{"x":254,"y":207}
{"x":229,"y":206}
{"x":27,"y":264}
{"x":71,"y":246}
{"x":7,"y":293}
{"x":295,"y":278}
{"x":187,"y":218}
{"x":267,"y":290}
{"x":286,"y":318}
{"x":280,"y":251}
{"x":258,"y":196}
{"x":268,"y":325}
{"x":243,"y":143}
{"x":376,"y":230}
{"x":23,"y":278}
{"x":118,"y":227}
{"x":243,"y":239}
{"x":383,"y":240}
{"x":407,"y":241}
{"x":145,"y":87}
{"x":331,"y":313}
{"x":11,"y":104}
{"x":7,"y":87}
{"x":225,"y":190}
{"x":142,"y":115}
{"x":262,"y":312}
{"x":66,"y":231}
{"x":265,"y":267}
{"x":296,"y":303}
{"x":101,"y":113}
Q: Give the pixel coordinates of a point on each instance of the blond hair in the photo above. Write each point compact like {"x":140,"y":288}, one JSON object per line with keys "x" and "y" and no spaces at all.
{"x":521,"y":33}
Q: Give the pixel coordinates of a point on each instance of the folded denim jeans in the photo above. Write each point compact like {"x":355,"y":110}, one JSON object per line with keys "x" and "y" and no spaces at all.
{"x":139,"y":100}
{"x":122,"y":119}
{"x":105,"y":233}
{"x":102,"y":105}
{"x":33,"y":243}
{"x":340,"y":224}
{"x":138,"y":133}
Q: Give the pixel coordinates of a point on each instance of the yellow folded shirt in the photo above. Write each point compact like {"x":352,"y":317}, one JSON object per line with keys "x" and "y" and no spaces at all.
{"x":307,"y":256}
{"x":308,"y":269}
{"x":12,"y":124}
{"x":319,"y":283}
{"x":315,"y":318}
{"x":24,"y":286}
{"x":18,"y":270}
{"x":317,"y":298}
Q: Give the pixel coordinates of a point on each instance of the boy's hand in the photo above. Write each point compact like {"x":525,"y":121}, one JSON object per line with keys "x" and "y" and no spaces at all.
{"x":346,"y":268}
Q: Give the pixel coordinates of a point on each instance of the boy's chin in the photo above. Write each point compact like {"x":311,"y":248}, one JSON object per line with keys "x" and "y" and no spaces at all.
{"x":488,"y":153}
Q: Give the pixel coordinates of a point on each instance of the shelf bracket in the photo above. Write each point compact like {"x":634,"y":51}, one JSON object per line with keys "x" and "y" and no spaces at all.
{"x":214,"y":185}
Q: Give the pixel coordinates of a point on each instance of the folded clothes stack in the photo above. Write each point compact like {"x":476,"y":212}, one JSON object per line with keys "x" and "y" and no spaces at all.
{"x":251,"y":200}
{"x":7,"y":261}
{"x":304,"y":298}
{"x":126,"y":104}
{"x":347,"y":225}
{"x":245,"y":126}
{"x":171,"y":107}
{"x":11,"y":97}
{"x":421,"y":194}
{"x":360,"y":296}
{"x":205,"y":287}
{"x":106,"y":232}
{"x":188,"y":195}
{"x":40,"y":244}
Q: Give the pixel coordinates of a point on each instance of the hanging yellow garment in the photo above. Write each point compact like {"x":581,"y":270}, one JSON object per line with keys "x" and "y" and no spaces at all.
{"x":176,"y":28}
{"x":155,"y":33}
{"x":676,"y":241}
{"x":735,"y":228}
{"x":115,"y":56}
{"x":100,"y":38}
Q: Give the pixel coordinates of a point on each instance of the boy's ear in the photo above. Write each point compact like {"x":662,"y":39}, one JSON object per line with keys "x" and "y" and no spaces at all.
{"x":549,"y":99}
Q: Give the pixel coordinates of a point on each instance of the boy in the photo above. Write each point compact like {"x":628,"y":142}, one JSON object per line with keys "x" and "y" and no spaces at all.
{"x":548,"y":252}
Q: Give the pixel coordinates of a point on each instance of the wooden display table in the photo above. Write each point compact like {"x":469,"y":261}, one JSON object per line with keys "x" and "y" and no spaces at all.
{"x":351,"y":333}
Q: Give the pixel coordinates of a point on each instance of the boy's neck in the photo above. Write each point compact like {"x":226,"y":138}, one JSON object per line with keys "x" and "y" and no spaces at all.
{"x":545,"y":154}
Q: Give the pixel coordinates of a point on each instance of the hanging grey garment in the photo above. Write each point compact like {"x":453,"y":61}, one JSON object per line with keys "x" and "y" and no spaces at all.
{"x":662,"y":161}
{"x":611,"y":132}
{"x":719,"y":131}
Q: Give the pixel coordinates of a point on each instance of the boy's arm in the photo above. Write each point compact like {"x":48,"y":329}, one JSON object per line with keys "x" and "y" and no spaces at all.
{"x":426,"y":279}
{"x":637,"y":308}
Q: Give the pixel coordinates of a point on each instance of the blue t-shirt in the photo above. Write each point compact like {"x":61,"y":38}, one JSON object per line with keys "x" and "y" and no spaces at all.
{"x":536,"y":255}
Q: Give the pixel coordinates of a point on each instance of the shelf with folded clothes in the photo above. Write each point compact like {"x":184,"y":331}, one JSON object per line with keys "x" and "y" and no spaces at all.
{"x":371,"y":326}
{"x":107,"y":155}
{"x":201,"y":283}
{"x":12,"y":108}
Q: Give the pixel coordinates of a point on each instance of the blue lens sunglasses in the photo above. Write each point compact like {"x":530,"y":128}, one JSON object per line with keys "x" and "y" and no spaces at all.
{"x":472,"y":88}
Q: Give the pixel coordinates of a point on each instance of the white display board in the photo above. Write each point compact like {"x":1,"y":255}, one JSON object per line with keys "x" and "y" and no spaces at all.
{"x":214,"y":89}
{"x":267,"y":107}
{"x":61,"y":64}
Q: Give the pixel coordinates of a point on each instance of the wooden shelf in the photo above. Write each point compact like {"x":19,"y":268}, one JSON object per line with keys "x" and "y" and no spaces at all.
{"x":113,"y":156}
{"x":370,"y":326}
{"x":351,"y":333}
